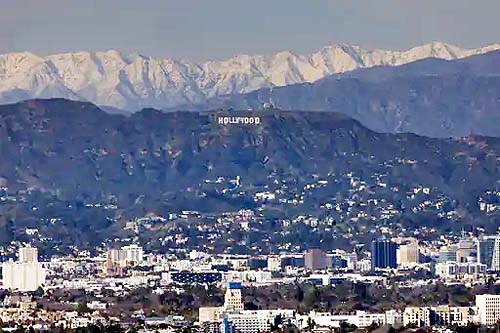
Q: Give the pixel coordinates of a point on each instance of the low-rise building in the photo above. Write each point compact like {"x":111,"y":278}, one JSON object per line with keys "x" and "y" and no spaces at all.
{"x":460,"y":271}
{"x":443,"y":315}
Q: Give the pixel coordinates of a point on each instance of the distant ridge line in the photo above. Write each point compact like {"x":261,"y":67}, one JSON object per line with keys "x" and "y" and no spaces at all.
{"x":132,"y":82}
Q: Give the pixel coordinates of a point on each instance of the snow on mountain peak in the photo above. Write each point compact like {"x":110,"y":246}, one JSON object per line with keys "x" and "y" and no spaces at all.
{"x":131,"y":81}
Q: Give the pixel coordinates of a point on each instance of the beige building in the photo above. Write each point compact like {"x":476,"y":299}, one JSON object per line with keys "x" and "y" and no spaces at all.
{"x":446,"y":315}
{"x":408,"y":254}
{"x":418,"y":316}
{"x":232,"y":302}
{"x":443,"y":315}
{"x":209,"y":314}
{"x":233,"y":299}
{"x":274,"y":264}
{"x":28,"y":254}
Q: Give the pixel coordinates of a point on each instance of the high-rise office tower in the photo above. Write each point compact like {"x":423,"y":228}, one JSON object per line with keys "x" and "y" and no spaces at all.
{"x":28,"y":254}
{"x":495,"y":260}
{"x":408,"y":254}
{"x":383,"y":254}
{"x":316,"y":259}
{"x":485,"y":246}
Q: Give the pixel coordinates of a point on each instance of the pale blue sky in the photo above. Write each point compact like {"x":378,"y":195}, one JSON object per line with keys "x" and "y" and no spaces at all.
{"x":216,"y":29}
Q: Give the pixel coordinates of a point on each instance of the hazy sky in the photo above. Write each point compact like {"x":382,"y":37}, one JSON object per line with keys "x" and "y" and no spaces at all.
{"x":215,"y":29}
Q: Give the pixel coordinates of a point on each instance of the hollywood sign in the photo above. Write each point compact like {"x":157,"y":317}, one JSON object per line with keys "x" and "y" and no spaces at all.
{"x":238,"y":120}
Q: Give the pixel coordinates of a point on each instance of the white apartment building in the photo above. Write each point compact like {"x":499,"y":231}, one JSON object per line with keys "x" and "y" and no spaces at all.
{"x":360,"y":319}
{"x":133,"y":253}
{"x":247,"y":276}
{"x":23,"y":276}
{"x":248,"y":322}
{"x":27,"y":274}
{"x":127,"y":255}
{"x":495,"y":264}
{"x":488,"y":307}
{"x":393,"y":317}
{"x":365,"y":319}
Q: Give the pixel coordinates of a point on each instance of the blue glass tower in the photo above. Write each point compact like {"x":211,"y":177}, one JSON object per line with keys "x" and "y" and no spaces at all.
{"x":383,"y":254}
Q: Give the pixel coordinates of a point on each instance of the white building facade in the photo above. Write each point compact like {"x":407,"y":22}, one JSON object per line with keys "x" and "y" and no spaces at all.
{"x":23,"y":276}
{"x":488,"y":307}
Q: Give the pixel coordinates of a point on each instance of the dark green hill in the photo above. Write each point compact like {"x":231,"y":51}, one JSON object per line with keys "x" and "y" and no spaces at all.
{"x":58,"y":153}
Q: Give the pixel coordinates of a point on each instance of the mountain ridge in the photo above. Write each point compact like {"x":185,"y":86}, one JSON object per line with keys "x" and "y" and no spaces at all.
{"x":64,"y":162}
{"x":132,"y":82}
{"x":430,"y":97}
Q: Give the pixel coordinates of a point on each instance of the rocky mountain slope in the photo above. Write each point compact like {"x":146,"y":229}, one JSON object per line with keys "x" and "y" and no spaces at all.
{"x":131,"y":82}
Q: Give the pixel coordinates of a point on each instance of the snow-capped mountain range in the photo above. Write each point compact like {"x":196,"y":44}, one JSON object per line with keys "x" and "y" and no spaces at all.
{"x":131,"y":82}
